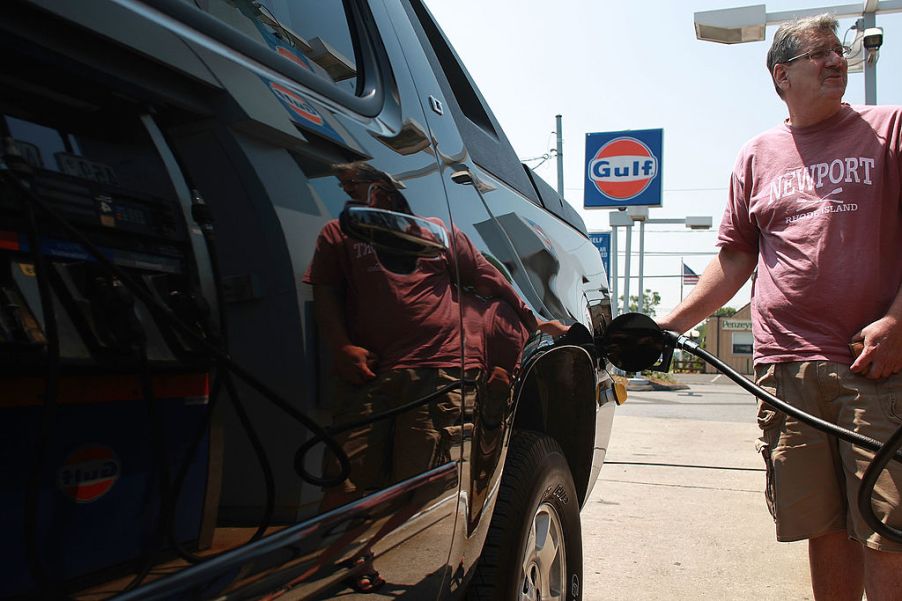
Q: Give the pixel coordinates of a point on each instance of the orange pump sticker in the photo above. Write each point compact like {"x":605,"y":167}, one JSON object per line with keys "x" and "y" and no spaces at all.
{"x":27,"y":269}
{"x":9,"y":240}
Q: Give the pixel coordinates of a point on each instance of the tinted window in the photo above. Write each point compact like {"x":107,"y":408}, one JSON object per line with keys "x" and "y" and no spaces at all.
{"x":314,"y":34}
{"x":483,"y":136}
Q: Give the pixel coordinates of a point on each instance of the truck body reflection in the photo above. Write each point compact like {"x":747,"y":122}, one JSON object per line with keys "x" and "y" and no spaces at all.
{"x":391,"y":320}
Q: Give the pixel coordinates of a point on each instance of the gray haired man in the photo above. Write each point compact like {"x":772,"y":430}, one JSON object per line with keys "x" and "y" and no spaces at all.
{"x":815,"y":206}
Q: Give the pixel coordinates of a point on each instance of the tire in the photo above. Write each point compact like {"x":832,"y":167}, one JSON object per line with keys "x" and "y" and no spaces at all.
{"x":533,"y":550}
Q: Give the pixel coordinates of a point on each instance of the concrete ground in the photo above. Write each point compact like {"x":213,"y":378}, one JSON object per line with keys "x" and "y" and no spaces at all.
{"x":678,"y":512}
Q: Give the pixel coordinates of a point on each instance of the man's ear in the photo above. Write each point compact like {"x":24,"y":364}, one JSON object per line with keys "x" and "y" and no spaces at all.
{"x":781,"y":76}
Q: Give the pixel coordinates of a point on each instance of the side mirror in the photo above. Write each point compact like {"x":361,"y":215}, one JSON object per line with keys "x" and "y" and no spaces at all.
{"x":394,"y":232}
{"x":634,"y":342}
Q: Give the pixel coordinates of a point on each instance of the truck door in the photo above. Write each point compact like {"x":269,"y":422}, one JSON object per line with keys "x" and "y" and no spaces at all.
{"x":499,"y":312}
{"x":378,"y":327}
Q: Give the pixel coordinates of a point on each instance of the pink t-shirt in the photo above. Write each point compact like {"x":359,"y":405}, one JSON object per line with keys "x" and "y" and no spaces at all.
{"x":409,"y":319}
{"x":821,"y":207}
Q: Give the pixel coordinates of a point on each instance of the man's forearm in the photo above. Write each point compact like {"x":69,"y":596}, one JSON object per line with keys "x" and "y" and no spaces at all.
{"x":722,"y":278}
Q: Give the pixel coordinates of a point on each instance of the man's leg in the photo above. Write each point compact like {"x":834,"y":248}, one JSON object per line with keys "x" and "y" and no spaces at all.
{"x":837,"y":568}
{"x":883,"y":575}
{"x":805,"y":485}
{"x":873,"y":409}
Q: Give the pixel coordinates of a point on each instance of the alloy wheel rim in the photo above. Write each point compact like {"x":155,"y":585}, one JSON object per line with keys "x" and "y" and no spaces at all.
{"x":543,"y":569}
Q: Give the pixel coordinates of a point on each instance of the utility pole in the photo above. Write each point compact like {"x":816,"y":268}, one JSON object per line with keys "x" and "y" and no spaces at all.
{"x":560,"y":156}
{"x":869,"y":20}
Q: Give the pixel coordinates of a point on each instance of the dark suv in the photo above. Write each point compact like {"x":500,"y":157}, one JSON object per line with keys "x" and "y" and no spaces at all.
{"x":282,"y":313}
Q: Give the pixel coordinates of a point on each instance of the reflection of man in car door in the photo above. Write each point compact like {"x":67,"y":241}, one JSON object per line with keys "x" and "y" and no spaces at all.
{"x":392,"y":323}
{"x":393,"y":329}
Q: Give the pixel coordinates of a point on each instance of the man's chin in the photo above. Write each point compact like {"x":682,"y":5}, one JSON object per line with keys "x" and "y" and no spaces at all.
{"x":836,"y":91}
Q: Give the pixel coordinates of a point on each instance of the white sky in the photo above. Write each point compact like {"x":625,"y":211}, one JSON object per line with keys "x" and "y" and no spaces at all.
{"x":609,"y":66}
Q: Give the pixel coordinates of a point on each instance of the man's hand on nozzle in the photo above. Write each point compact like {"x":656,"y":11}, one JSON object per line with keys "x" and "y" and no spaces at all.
{"x":553,"y":328}
{"x":355,"y":364}
{"x":666,"y":323}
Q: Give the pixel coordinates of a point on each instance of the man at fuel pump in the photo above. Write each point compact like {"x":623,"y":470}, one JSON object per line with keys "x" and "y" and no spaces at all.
{"x":815,"y":210}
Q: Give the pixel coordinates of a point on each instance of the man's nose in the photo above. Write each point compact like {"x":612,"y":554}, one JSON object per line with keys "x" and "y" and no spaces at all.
{"x":835,"y":59}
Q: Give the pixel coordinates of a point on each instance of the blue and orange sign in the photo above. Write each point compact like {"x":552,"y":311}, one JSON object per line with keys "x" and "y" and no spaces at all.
{"x":623,"y":168}
{"x":298,"y":105}
{"x":88,"y":473}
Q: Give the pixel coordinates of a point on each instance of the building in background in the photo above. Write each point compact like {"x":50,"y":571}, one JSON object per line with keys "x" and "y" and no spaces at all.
{"x":730,"y":340}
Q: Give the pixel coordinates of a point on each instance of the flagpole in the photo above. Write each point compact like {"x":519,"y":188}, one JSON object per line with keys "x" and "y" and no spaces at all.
{"x":682,"y":277}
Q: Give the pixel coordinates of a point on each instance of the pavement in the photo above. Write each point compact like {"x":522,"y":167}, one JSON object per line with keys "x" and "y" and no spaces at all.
{"x":678,"y":512}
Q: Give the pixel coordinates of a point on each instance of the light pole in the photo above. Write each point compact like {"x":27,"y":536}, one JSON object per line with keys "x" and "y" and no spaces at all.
{"x":748,"y":23}
{"x":620,"y":219}
{"x":626,"y":219}
{"x":560,"y":155}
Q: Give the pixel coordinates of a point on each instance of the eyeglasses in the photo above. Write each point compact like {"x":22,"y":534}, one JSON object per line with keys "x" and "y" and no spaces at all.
{"x":842,"y":52}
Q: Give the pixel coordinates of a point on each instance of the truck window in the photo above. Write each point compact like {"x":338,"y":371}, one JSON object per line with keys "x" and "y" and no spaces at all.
{"x":318,"y":39}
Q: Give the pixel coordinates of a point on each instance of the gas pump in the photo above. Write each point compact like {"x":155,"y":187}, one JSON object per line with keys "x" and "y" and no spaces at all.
{"x":102,"y":401}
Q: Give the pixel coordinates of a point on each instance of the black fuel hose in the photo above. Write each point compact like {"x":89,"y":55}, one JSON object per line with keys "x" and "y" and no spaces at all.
{"x":815,"y":422}
{"x":305,"y":447}
{"x":884,"y":451}
{"x":869,"y":481}
{"x":14,"y":166}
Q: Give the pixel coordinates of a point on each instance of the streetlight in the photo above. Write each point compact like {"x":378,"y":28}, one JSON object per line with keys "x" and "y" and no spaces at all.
{"x":747,"y":24}
{"x":626,"y":219}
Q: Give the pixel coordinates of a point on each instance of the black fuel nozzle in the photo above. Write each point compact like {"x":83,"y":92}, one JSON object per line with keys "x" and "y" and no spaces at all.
{"x":634,"y":342}
{"x":113,"y":305}
{"x":576,"y":335}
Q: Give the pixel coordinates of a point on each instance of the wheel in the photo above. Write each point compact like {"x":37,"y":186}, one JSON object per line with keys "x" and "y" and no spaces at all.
{"x":533,"y":551}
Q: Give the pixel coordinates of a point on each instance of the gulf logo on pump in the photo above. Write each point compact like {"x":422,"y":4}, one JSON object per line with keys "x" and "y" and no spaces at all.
{"x":623,"y":168}
{"x":297,"y":103}
{"x":88,"y":473}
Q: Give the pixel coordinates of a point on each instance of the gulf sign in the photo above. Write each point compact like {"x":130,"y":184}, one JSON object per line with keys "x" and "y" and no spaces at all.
{"x":623,"y":168}
{"x":88,"y":473}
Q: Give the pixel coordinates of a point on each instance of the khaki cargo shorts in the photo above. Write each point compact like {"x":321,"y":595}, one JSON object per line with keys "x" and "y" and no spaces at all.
{"x":386,"y":451}
{"x":813,"y":478}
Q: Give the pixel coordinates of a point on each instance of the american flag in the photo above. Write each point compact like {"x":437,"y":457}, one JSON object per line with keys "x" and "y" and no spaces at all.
{"x":689,"y":276}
